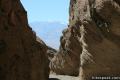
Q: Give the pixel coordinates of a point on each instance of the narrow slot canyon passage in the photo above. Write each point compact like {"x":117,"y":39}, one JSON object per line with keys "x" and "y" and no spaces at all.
{"x":76,"y":45}
{"x":49,"y":19}
{"x":60,"y":40}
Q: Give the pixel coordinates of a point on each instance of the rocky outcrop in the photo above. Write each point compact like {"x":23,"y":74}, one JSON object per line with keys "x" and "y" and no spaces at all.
{"x":50,"y":51}
{"x":22,"y":57}
{"x":100,"y":36}
{"x":91,"y":41}
{"x":67,"y":59}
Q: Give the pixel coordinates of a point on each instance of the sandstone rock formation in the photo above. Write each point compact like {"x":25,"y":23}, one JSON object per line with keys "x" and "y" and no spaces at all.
{"x":50,"y":51}
{"x":100,"y":36}
{"x":91,"y":41}
{"x":67,"y":59}
{"x":22,"y":57}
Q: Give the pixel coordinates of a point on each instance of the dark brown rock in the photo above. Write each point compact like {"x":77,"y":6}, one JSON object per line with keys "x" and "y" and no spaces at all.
{"x":22,"y":57}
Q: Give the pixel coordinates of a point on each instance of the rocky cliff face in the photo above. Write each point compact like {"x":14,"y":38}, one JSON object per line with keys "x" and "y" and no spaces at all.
{"x":67,"y":59}
{"x":91,"y":41}
{"x":22,"y":57}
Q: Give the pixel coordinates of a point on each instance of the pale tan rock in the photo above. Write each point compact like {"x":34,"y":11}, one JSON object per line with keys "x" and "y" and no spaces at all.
{"x":100,"y":36}
{"x":92,"y":40}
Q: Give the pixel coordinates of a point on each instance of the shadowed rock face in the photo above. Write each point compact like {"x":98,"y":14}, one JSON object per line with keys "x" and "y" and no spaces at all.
{"x":22,"y":57}
{"x":91,"y":40}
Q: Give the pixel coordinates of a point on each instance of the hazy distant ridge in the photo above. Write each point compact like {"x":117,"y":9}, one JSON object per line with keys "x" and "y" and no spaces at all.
{"x":49,"y":32}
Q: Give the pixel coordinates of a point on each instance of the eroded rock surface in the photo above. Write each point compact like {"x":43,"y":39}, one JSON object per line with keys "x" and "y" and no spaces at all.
{"x":67,"y":59}
{"x":91,"y":41}
{"x":22,"y":57}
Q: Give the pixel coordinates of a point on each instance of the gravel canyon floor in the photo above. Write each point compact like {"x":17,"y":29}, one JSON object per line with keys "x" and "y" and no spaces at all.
{"x":62,"y":77}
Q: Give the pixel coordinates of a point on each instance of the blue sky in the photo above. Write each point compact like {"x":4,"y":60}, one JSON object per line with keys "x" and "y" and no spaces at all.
{"x":47,"y":10}
{"x":54,"y":13}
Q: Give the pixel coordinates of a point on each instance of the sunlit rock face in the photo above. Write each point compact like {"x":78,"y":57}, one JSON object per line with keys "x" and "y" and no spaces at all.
{"x":91,"y":41}
{"x":22,"y":57}
{"x":67,"y":59}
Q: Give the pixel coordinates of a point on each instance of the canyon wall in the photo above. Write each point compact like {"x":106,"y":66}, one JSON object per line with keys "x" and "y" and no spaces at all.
{"x":67,"y":59}
{"x":22,"y":56}
{"x":91,"y":41}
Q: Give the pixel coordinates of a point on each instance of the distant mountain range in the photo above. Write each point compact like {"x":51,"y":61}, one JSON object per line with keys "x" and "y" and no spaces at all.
{"x":49,"y":32}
